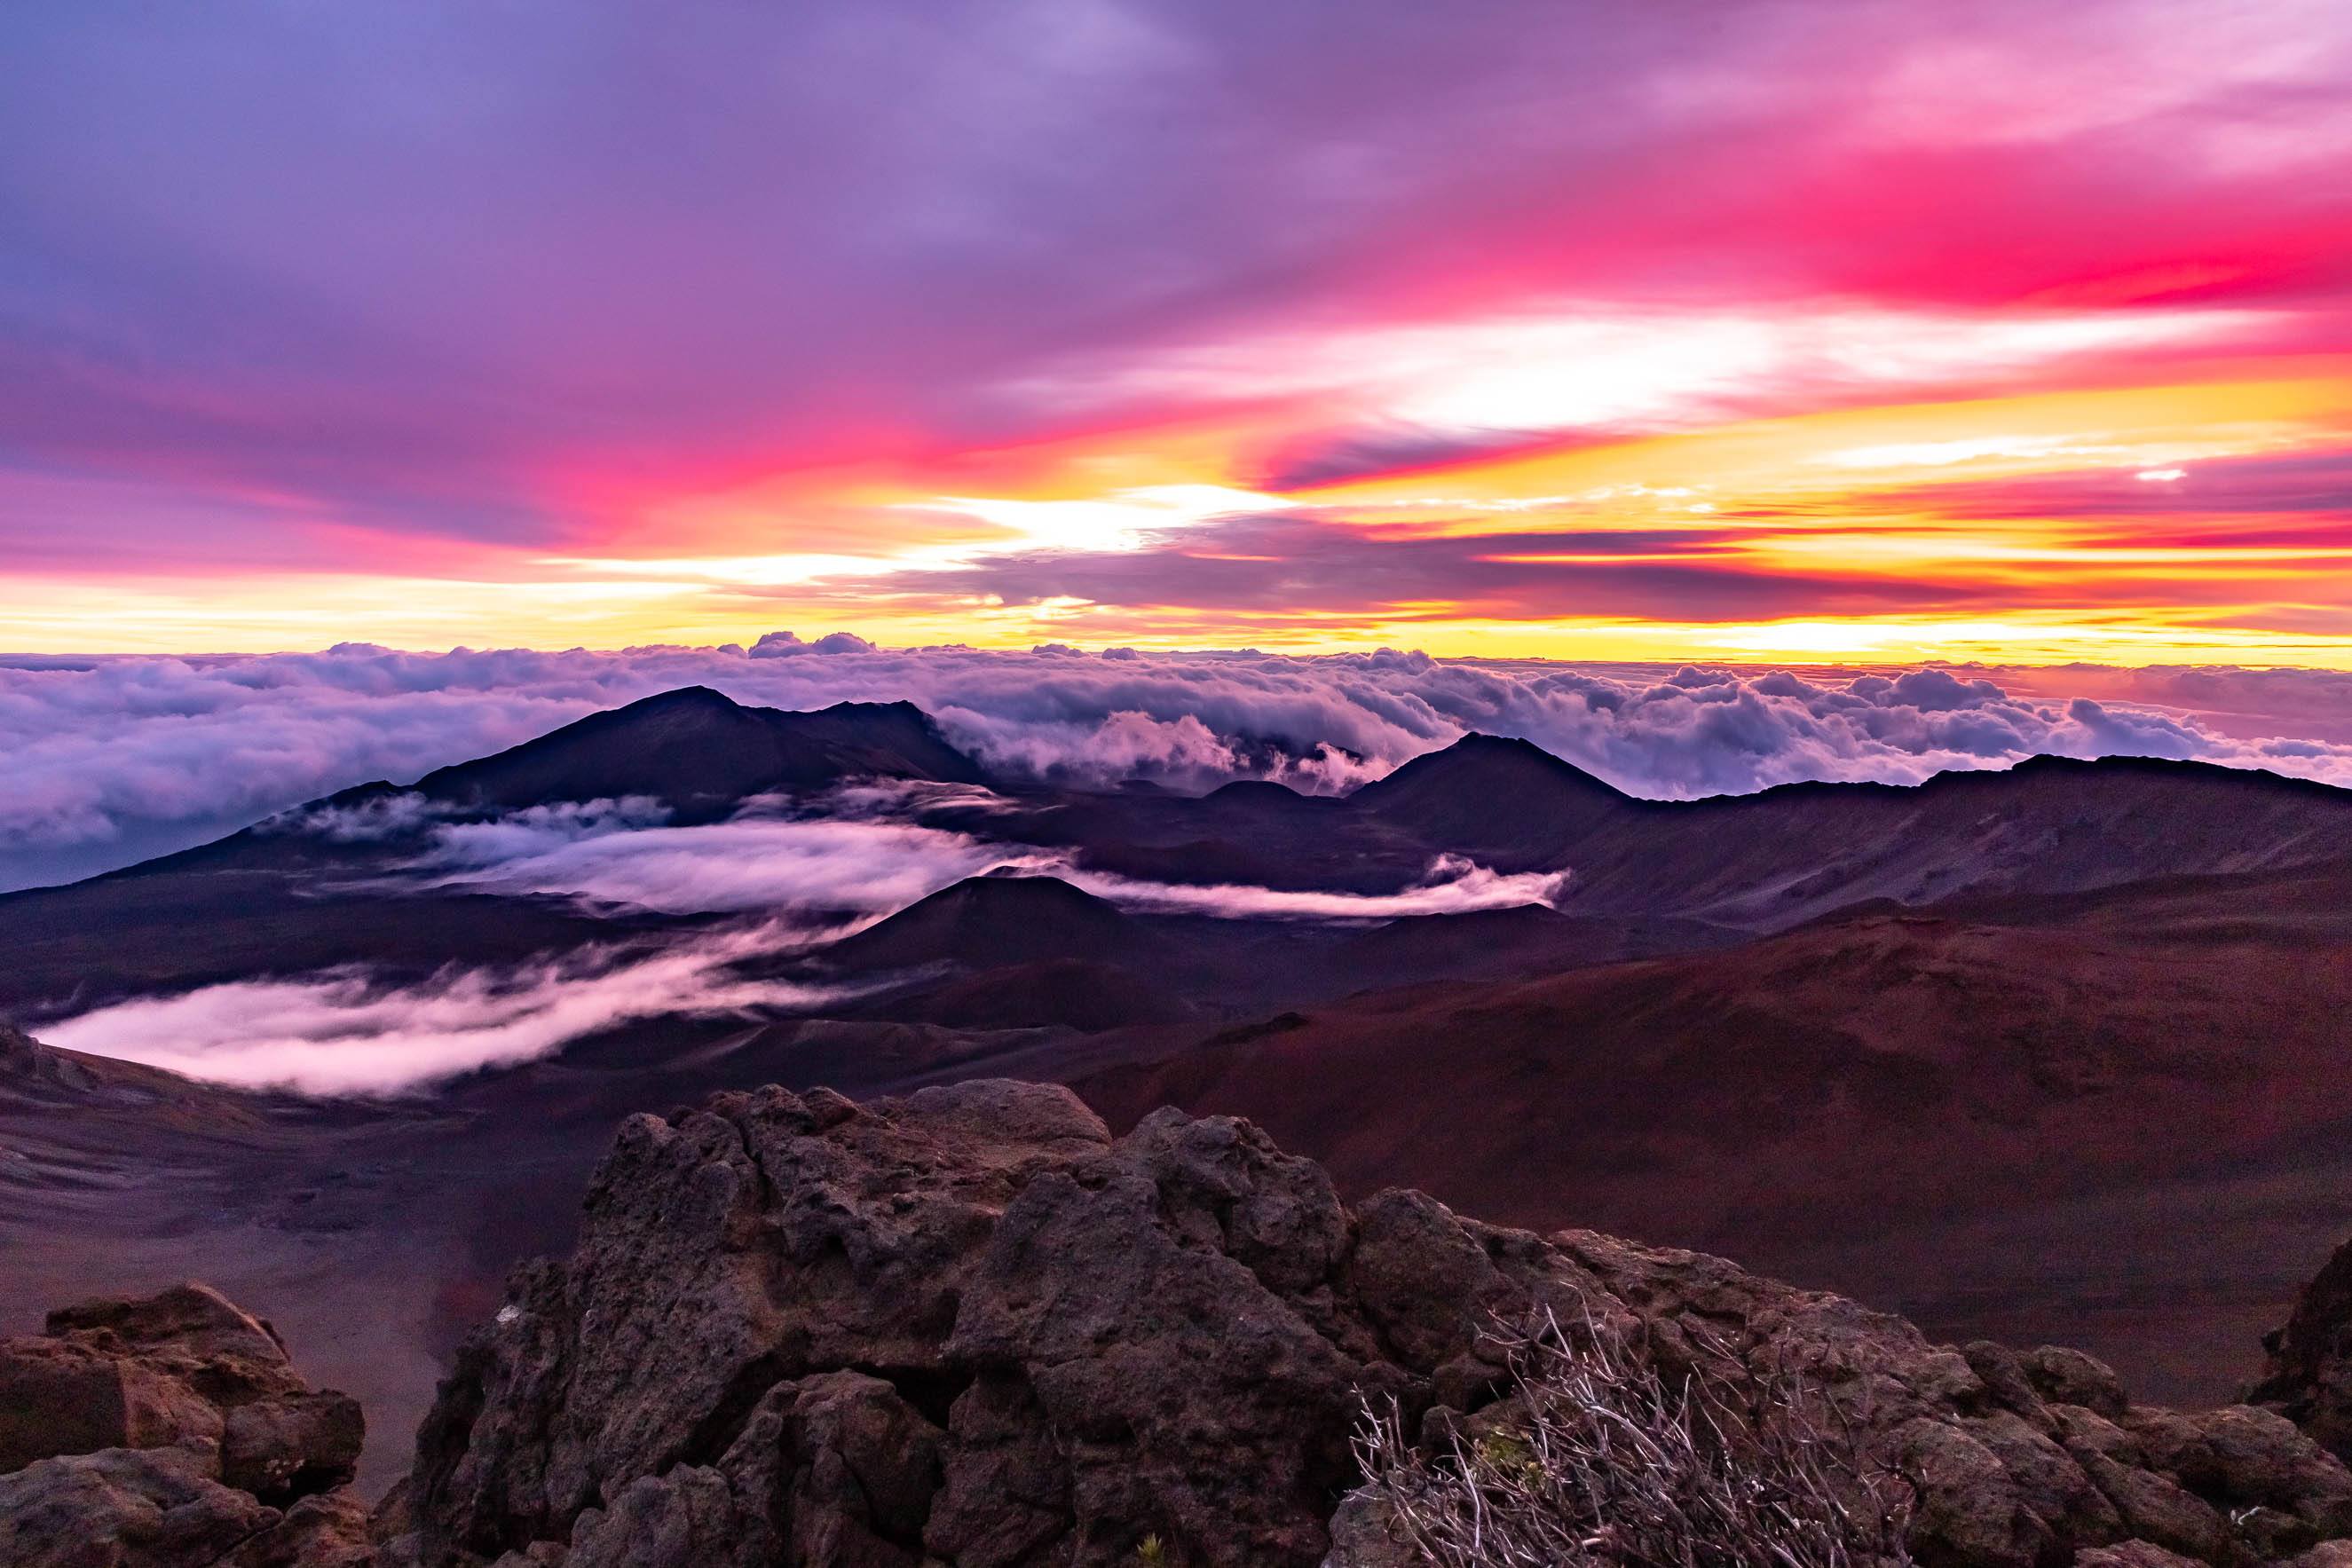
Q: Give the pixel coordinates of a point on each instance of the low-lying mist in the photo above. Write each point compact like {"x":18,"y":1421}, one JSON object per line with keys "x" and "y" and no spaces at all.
{"x":346,"y":1033}
{"x":810,"y":880}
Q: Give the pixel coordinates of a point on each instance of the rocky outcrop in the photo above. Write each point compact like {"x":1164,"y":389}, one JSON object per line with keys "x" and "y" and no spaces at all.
{"x":171,"y":1431}
{"x":971,"y":1328}
{"x":2309,"y":1375}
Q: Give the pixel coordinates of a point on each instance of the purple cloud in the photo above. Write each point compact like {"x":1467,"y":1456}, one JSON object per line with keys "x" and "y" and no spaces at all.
{"x":431,"y":270}
{"x":112,"y":759}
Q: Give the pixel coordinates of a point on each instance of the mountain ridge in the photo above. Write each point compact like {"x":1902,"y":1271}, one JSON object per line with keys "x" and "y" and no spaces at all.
{"x":703,"y":752}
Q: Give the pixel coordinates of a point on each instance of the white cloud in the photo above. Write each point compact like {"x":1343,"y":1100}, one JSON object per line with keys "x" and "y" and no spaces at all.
{"x":539,"y":830}
{"x":345,"y":1033}
{"x":1453,"y":887}
{"x":848,"y":867}
{"x":111,"y":760}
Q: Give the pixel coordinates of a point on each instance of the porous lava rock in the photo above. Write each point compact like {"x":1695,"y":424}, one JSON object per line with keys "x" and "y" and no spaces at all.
{"x":971,"y":1328}
{"x":2309,"y":1378}
{"x":171,"y":1430}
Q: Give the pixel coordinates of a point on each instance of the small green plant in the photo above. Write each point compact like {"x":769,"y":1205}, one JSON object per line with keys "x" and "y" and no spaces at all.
{"x":1149,"y":1553}
{"x":1507,"y":1454}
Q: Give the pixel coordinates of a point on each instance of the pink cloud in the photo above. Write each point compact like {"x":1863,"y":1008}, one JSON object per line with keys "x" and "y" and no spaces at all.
{"x":114,"y":759}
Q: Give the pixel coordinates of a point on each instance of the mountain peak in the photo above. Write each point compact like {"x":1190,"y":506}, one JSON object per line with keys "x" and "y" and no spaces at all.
{"x":702,"y":752}
{"x":683,"y":697}
{"x":985,"y":922}
{"x":1500,"y":757}
{"x":1500,"y":800}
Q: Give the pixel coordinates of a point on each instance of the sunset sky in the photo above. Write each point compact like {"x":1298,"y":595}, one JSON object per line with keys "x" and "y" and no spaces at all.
{"x":1644,"y":330}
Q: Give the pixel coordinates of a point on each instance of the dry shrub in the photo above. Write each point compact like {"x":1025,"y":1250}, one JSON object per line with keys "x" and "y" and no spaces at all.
{"x":1599,"y":1459}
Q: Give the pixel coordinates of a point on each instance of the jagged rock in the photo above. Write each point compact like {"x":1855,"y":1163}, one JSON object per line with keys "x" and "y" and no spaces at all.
{"x":171,"y":1430}
{"x":124,"y":1507}
{"x":969,"y":1328}
{"x":2326,"y":1554}
{"x":184,"y":1368}
{"x":291,"y":1445}
{"x":2065,"y":1376}
{"x":2130,"y":1554}
{"x":326,"y":1529}
{"x":2309,"y":1375}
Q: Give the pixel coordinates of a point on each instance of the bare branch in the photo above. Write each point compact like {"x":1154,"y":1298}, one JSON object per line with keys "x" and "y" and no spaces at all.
{"x":1595,"y":1459}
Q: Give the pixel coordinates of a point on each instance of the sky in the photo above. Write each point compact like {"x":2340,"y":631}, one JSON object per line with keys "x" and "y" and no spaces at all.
{"x":1735,"y":333}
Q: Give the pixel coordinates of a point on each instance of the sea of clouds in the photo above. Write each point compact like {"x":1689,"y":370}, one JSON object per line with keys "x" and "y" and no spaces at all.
{"x":109,"y":760}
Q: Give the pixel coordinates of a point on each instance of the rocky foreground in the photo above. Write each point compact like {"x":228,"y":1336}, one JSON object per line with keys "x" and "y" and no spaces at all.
{"x":171,"y":1431}
{"x":971,"y":1328}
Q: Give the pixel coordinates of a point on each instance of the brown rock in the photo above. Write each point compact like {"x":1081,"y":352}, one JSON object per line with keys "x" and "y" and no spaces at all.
{"x":329,"y":1529}
{"x":168,"y":1430}
{"x":124,"y":1508}
{"x":141,"y":1373}
{"x":290,"y":1445}
{"x":2326,"y":1554}
{"x":2309,"y":1375}
{"x":970,"y":1328}
{"x":2063,"y":1377}
{"x":2131,"y":1554}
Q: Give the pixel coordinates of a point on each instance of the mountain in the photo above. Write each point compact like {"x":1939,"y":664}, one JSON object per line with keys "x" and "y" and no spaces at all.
{"x":1772,"y":860}
{"x":275,"y":899}
{"x":985,"y":922}
{"x":1889,"y":1102}
{"x":1496,"y":944}
{"x":1020,"y":952}
{"x":1744,"y":863}
{"x":1505,"y":803}
{"x":703,"y":753}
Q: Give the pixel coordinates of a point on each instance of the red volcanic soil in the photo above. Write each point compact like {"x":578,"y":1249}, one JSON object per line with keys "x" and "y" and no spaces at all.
{"x":1952,"y":1113}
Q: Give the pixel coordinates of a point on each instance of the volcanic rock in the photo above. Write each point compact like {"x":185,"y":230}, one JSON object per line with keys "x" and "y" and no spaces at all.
{"x":969,"y":1327}
{"x":2309,"y":1375}
{"x":168,"y":1430}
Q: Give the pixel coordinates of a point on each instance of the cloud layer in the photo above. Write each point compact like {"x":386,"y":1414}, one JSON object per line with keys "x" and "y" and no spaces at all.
{"x":111,"y":760}
{"x":1453,"y":885}
{"x":849,"y":868}
{"x":344,"y":1034}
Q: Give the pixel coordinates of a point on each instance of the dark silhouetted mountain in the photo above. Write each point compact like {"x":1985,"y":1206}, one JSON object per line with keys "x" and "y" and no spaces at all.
{"x":1772,"y":860}
{"x":1753,"y":862}
{"x":704,"y":753}
{"x":988,"y":922}
{"x":1509,"y":803}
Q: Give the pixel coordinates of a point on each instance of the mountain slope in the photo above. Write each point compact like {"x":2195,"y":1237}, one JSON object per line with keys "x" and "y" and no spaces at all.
{"x":1506,"y":803}
{"x":2049,"y":825}
{"x":984,"y":921}
{"x":277,"y":898}
{"x":702,"y":753}
{"x":1886,"y":1101}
